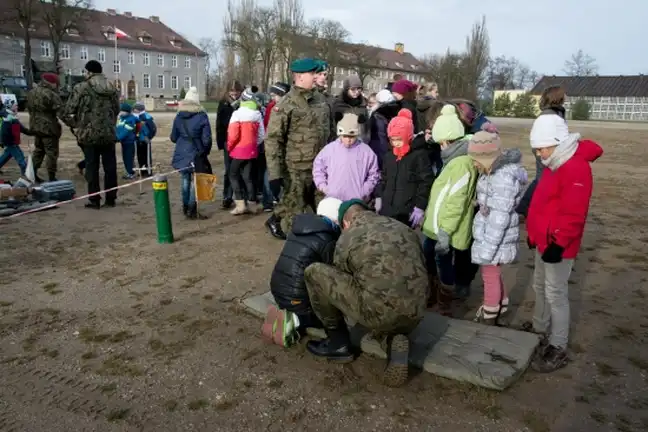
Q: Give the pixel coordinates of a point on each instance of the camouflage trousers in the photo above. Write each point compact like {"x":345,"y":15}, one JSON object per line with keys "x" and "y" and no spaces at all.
{"x":298,"y":197}
{"x":46,"y":148}
{"x":335,"y":294}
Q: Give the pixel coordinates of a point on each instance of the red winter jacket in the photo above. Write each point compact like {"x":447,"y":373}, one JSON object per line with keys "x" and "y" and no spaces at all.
{"x":560,"y":203}
{"x":266,"y":118}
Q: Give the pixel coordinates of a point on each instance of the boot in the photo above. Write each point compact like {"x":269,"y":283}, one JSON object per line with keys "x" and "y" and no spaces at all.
{"x":185,"y":209}
{"x":444,"y":299}
{"x":192,"y":213}
{"x":488,"y":315}
{"x":433,"y":290}
{"x":274,"y":226}
{"x":227,"y":204}
{"x":38,"y":179}
{"x":52,"y":176}
{"x":461,"y":292}
{"x":95,"y":205}
{"x":240,"y":208}
{"x":336,"y":347}
{"x":396,"y":372}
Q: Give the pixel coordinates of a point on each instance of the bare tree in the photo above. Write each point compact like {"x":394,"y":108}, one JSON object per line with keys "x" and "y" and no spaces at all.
{"x":325,"y":40}
{"x":581,"y":64}
{"x":475,"y":61}
{"x":267,"y":26}
{"x":291,"y":27}
{"x":211,"y":47}
{"x":62,"y":16}
{"x":508,"y":73}
{"x":240,"y":36}
{"x":361,"y":59}
{"x":25,"y":13}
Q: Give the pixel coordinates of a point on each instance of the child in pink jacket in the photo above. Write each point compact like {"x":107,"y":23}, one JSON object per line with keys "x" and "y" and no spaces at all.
{"x":244,"y":134}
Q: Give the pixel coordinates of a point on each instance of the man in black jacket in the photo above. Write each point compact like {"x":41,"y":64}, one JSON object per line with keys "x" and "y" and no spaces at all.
{"x":226,"y":108}
{"x":312,"y":239}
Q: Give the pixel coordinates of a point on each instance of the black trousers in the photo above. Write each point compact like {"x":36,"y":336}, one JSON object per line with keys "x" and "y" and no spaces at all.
{"x":227,"y":185}
{"x":241,"y":174}
{"x":144,"y":157}
{"x":95,"y":155}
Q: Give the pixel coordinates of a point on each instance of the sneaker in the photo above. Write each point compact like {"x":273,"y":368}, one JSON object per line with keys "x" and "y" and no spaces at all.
{"x":551,"y":359}
{"x":397,"y":369}
{"x":266,"y":327}
{"x":268,"y":208}
{"x":128,"y":176}
{"x":487,"y":315}
{"x":280,"y":327}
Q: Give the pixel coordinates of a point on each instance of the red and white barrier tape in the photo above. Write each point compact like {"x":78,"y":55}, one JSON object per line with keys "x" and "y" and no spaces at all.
{"x":78,"y":198}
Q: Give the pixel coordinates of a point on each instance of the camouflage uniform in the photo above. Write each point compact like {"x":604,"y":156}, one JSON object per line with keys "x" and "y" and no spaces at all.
{"x":44,"y":105}
{"x":378,"y":278}
{"x":92,"y":111}
{"x":298,"y":130}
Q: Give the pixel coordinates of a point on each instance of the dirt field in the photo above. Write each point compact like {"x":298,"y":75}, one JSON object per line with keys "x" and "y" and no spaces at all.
{"x":102,"y":329}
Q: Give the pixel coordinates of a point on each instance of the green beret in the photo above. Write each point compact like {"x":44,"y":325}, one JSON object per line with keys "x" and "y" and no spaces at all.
{"x":322,"y":66}
{"x":304,"y":65}
{"x":345,"y":206}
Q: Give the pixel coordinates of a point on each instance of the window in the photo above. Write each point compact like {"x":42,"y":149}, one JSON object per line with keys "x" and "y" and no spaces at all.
{"x":174,"y":61}
{"x":146,"y":59}
{"x":187,"y":82}
{"x":101,"y":55}
{"x":84,"y":53}
{"x":72,"y":31}
{"x":68,"y":72}
{"x":160,"y":61}
{"x":64,"y":52}
{"x":131,"y":57}
{"x":46,"y":49}
{"x":110,"y":35}
{"x":160,"y":81}
{"x":21,"y":47}
{"x":187,"y":62}
{"x":174,"y":83}
{"x":116,"y":66}
{"x":146,"y":81}
{"x":146,"y":40}
{"x":22,"y":70}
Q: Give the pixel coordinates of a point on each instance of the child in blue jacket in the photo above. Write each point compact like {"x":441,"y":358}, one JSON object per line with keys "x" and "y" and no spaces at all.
{"x":127,"y":125}
{"x":10,"y":130}
{"x":146,"y":133}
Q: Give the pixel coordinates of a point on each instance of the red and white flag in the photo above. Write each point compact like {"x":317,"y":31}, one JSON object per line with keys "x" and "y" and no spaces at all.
{"x":120,"y":34}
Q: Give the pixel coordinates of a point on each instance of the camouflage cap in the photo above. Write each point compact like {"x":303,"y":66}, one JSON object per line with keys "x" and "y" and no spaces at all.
{"x":304,"y":65}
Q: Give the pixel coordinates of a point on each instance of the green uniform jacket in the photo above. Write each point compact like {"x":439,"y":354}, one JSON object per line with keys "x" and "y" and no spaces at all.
{"x":450,"y":207}
{"x":299,"y":128}
{"x":92,"y":110}
{"x":45,"y":106}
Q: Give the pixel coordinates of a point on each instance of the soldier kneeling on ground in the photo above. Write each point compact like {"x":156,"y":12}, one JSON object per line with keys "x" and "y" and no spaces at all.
{"x":312,"y":239}
{"x":378,"y":280}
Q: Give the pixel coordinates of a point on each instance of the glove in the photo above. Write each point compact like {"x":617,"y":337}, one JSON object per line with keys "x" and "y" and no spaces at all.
{"x":442,"y":246}
{"x":553,"y":254}
{"x":529,"y":244}
{"x":378,"y":204}
{"x":275,"y":188}
{"x":416,"y":218}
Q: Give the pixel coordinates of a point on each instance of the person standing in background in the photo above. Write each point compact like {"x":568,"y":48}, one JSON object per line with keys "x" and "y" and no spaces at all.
{"x":226,"y":107}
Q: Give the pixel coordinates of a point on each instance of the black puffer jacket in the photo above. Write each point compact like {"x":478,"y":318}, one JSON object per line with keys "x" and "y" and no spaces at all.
{"x":311,"y":240}
{"x":406,"y":184}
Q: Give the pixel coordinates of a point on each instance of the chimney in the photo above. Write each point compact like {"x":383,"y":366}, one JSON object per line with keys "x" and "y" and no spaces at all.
{"x":399,"y":48}
{"x":154,"y":18}
{"x":128,"y":14}
{"x":111,"y":11}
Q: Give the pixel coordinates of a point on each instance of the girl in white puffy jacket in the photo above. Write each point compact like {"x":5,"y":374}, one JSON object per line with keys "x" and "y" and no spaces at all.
{"x":496,"y":228}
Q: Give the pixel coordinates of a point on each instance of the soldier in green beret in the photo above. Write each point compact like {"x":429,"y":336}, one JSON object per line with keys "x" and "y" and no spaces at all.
{"x":299,"y":128}
{"x":321,"y":85}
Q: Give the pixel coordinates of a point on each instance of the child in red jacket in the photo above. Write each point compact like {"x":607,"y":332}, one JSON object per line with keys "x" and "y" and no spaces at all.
{"x":555,"y":226}
{"x":10,"y":130}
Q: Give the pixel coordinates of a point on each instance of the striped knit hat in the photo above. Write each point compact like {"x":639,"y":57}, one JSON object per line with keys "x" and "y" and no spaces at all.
{"x":485,"y":147}
{"x":279,"y":88}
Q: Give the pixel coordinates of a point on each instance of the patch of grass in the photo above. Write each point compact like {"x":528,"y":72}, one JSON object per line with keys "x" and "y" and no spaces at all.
{"x":208,"y":296}
{"x":178,"y":318}
{"x":30,"y":341}
{"x":191,"y":281}
{"x":50,"y":288}
{"x":119,"y":365}
{"x":117,"y":414}
{"x":170,"y":405}
{"x":606,"y":370}
{"x":165,"y":302}
{"x":108,"y":388}
{"x":49,"y":353}
{"x":576,"y":348}
{"x":88,"y":335}
{"x":198,"y":404}
{"x":226,"y":403}
{"x":582,"y":399}
{"x":200,"y":326}
{"x":631,"y":258}
{"x":598,"y":416}
{"x":275,"y":383}
{"x":621,"y":332}
{"x":172,"y":350}
{"x":9,"y":359}
{"x":639,"y":363}
{"x":88,"y":355}
{"x":6,"y":303}
{"x":638,"y":404}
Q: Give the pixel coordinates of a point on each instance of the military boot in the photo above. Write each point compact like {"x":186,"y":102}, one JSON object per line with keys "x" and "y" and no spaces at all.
{"x":52,"y":176}
{"x":444,"y":299}
{"x":433,"y":290}
{"x":336,"y":347}
{"x":397,"y":369}
{"x":274,"y":226}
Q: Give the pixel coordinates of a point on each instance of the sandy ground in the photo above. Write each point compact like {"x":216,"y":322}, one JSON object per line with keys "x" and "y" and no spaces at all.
{"x":102,"y":329}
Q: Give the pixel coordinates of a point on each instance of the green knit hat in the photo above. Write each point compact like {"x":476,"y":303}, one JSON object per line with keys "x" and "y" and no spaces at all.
{"x":345,"y":206}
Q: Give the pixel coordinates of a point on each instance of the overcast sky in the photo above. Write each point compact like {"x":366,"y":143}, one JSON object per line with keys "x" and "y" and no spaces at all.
{"x":540,"y":33}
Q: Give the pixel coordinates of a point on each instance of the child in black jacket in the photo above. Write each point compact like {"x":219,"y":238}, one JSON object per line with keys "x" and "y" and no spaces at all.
{"x":407,"y":173}
{"x":312,"y":239}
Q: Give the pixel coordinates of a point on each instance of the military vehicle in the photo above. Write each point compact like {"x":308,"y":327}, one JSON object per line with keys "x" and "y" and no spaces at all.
{"x":17,"y":86}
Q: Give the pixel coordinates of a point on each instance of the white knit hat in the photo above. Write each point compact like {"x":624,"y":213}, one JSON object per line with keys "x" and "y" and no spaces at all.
{"x":384,"y":96}
{"x":192,"y":95}
{"x":550,"y":130}
{"x":329,"y":207}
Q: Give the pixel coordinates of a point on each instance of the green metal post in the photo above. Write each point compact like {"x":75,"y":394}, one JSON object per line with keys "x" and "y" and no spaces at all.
{"x":162,"y":209}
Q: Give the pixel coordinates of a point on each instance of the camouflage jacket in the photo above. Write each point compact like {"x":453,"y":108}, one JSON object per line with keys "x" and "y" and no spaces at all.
{"x":299,"y":128}
{"x":330,"y":101}
{"x":386,"y":258}
{"x":92,"y":110}
{"x":45,"y":106}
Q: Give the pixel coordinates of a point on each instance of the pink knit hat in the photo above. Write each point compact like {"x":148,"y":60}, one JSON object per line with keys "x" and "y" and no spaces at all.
{"x":403,"y":87}
{"x":485,"y":147}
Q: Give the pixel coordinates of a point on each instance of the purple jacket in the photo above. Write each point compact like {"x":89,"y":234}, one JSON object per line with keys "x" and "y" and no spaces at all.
{"x":346,"y":173}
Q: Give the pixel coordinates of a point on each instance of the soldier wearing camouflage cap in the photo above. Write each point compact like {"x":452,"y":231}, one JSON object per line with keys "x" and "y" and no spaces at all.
{"x":299,"y":128}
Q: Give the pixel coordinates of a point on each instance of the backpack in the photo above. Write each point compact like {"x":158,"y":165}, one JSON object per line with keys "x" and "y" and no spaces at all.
{"x":150,"y":124}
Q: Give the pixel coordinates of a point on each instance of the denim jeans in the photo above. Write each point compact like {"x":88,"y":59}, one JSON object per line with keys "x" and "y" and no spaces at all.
{"x":188,"y":193}
{"x":267,"y":194}
{"x":128,"y":154}
{"x":14,"y":151}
